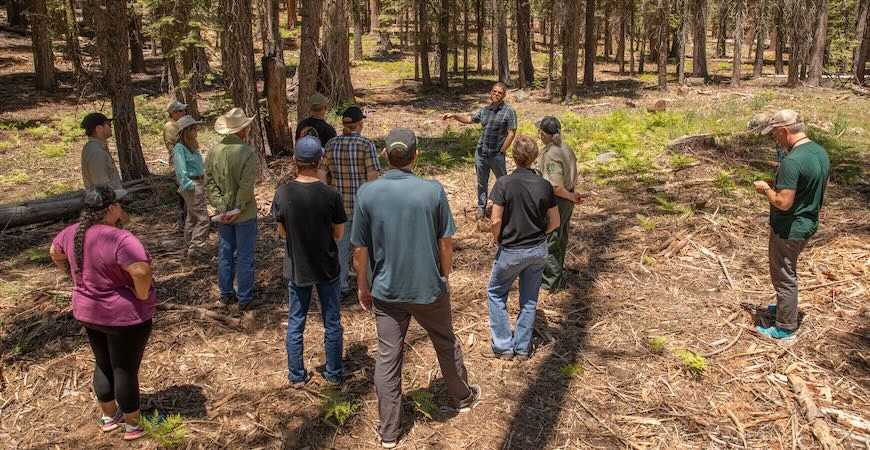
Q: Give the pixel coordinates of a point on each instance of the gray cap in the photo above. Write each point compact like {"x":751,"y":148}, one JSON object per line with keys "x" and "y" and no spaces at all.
{"x":782,"y":118}
{"x":401,"y":139}
{"x":319,"y":99}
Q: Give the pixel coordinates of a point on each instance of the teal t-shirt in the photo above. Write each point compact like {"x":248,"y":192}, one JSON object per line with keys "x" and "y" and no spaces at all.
{"x":805,"y":169}
{"x":400,"y":218}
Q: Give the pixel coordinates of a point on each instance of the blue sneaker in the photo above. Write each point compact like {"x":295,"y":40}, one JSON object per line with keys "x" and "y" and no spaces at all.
{"x":777,"y":333}
{"x":771,"y":308}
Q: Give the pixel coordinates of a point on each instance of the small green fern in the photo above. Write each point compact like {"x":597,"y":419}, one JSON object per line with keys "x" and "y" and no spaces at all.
{"x":424,"y":402}
{"x":337,"y":408}
{"x":167,"y":431}
{"x":572,"y":370}
{"x":694,"y":363}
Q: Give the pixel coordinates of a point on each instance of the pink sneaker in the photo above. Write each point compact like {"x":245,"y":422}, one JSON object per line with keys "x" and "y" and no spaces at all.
{"x":111,"y":423}
{"x":133,"y":432}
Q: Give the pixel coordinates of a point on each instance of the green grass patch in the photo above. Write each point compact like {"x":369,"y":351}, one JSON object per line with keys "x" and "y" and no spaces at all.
{"x":38,"y":255}
{"x":167,"y":431}
{"x":337,"y":408}
{"x":657,"y":344}
{"x":57,"y":187}
{"x":68,"y":127}
{"x":16,"y":177}
{"x":451,"y":149}
{"x":424,"y":403}
{"x":9,"y":289}
{"x":21,"y":347}
{"x":40,"y":131}
{"x":9,"y":142}
{"x":572,"y":370}
{"x":671,"y":207}
{"x":53,"y":150}
{"x":762,"y":100}
{"x":9,"y":124}
{"x":679,"y":161}
{"x":647,"y":223}
{"x":694,"y":363}
{"x":724,"y":180}
{"x":846,"y":167}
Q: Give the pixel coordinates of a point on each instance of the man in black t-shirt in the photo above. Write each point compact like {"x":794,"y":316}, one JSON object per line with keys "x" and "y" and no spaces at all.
{"x":316,"y":124}
{"x":524,"y":211}
{"x":311,"y":217}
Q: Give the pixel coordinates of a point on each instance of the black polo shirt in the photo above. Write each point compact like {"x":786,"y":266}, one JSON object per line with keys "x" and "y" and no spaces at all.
{"x":526,"y":198}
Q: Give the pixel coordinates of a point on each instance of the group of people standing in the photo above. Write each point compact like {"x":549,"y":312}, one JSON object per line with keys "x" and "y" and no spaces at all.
{"x":397,"y":226}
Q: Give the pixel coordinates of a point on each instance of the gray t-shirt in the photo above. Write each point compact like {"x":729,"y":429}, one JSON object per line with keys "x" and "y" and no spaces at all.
{"x":400,"y":218}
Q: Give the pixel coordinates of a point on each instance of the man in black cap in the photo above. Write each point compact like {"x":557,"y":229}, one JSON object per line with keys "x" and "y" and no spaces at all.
{"x":311,"y":217}
{"x":98,"y":167}
{"x":349,"y":161}
{"x":403,"y":253}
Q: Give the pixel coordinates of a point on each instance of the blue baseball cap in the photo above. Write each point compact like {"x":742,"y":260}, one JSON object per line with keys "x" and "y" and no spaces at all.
{"x":308,"y":149}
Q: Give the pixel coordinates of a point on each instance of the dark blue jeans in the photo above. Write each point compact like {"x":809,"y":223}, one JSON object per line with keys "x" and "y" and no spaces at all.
{"x":528,"y":264}
{"x":482,"y":165}
{"x":236,"y":245}
{"x":333,"y":333}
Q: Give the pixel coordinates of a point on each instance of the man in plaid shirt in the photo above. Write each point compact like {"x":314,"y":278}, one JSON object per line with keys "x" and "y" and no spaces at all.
{"x":349,"y":161}
{"x":499,"y":122}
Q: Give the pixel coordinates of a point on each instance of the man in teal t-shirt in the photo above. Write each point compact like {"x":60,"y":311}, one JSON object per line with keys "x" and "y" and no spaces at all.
{"x":403,"y":254}
{"x":795,"y":200}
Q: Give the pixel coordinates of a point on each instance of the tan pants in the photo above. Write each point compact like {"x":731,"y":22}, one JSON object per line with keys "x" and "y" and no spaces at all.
{"x":197,"y":222}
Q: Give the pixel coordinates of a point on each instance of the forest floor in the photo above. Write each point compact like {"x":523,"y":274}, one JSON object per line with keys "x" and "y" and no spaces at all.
{"x":659,"y":271}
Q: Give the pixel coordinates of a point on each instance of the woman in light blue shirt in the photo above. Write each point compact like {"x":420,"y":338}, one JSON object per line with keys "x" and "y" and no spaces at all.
{"x":189,"y":172}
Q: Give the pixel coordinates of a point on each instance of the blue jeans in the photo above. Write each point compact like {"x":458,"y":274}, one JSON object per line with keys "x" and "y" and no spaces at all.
{"x":528,"y":264}
{"x":236,"y":245}
{"x":482,"y":165}
{"x":300,"y":300}
{"x":344,"y":254}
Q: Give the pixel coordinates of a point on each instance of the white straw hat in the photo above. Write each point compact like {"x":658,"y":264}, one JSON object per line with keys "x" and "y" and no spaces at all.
{"x":232,"y":122}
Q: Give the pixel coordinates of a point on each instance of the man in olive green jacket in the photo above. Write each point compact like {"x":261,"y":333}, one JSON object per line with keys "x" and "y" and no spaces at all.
{"x":230,"y":175}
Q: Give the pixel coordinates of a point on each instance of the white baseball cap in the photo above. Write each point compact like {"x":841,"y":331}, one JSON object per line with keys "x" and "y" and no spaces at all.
{"x":782,"y":118}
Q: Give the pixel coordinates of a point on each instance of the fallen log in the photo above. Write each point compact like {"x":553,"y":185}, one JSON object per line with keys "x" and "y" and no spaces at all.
{"x":848,"y":420}
{"x":203,"y":313}
{"x":820,"y":427}
{"x":68,"y":205}
{"x":693,"y":141}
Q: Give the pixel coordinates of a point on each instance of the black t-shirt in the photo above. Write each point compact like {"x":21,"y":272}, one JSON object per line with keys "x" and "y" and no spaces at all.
{"x":526,"y":198}
{"x":308,"y":211}
{"x":317,"y":127}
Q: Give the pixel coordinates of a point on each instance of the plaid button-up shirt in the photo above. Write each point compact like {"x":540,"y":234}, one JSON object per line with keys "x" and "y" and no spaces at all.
{"x":496,"y":122}
{"x":348,"y":158}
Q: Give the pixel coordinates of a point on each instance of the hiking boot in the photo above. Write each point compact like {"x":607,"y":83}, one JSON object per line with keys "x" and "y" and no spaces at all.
{"x":111,"y":423}
{"x":777,"y":333}
{"x":132,"y":432}
{"x":333,"y":382}
{"x":488,"y":352}
{"x":226,"y":300}
{"x":521,"y":357}
{"x":249,"y":306}
{"x":301,"y":384}
{"x":480,"y":215}
{"x":473,"y":399}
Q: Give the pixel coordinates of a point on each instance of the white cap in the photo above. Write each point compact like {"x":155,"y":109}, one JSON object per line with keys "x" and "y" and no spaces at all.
{"x":782,"y":118}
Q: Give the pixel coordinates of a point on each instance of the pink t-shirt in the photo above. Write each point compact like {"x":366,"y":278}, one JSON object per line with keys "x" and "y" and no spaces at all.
{"x":103,"y":294}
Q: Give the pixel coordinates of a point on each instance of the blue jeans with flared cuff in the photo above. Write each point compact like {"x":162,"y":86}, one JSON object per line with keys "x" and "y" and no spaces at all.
{"x":237,"y":243}
{"x":333,"y":332}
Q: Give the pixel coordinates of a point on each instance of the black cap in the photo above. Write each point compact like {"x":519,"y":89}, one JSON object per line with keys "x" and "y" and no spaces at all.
{"x":352,"y":115}
{"x":100,"y":197}
{"x":549,"y":125}
{"x":92,"y":120}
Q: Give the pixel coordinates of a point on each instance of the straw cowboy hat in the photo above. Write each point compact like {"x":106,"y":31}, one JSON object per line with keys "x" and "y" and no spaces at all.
{"x":232,"y":122}
{"x":184,"y":122}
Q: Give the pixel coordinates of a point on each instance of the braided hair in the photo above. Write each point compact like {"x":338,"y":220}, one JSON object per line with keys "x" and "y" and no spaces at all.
{"x":95,"y":205}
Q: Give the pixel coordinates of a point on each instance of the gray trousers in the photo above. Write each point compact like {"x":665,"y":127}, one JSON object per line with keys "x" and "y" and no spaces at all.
{"x":392,"y":320}
{"x":783,"y":255}
{"x":196,"y":224}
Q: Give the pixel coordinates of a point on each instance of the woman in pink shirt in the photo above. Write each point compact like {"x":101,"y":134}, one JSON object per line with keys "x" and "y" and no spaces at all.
{"x":113,"y":297}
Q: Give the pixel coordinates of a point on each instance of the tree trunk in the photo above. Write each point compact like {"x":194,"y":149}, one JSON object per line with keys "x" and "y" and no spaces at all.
{"x":631,"y":35}
{"x":817,"y":63}
{"x":608,"y":35}
{"x":43,"y":56}
{"x":643,"y":37}
{"x":551,"y":52}
{"x":620,"y":45}
{"x":664,"y":14}
{"x":454,"y":37}
{"x":239,"y":70}
{"x":501,"y":41}
{"x":274,"y":80}
{"x":699,"y":53}
{"x":423,"y":41}
{"x":760,"y":30}
{"x":443,"y":38}
{"x":723,"y":26}
{"x":15,"y":14}
{"x":591,"y":45}
{"x":737,"y":63}
{"x":570,"y":46}
{"x":861,"y":28}
{"x":358,"y":15}
{"x":524,"y":48}
{"x":479,"y":35}
{"x":681,"y":42}
{"x":137,"y":55}
{"x":465,"y":8}
{"x":111,"y":21}
{"x":334,"y":75}
{"x":71,"y":33}
{"x":291,"y":14}
{"x":779,"y":32}
{"x":373,"y":16}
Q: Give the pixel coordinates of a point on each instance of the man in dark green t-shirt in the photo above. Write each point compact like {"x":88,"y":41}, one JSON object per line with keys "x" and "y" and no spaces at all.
{"x":795,"y":200}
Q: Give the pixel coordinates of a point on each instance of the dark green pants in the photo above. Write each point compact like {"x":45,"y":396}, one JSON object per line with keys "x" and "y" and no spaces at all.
{"x":557,"y":241}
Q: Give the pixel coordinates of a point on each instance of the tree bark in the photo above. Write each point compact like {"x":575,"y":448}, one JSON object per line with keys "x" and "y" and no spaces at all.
{"x":699,"y":53}
{"x":465,"y":8}
{"x":643,"y":37}
{"x":455,"y":37}
{"x":570,"y":45}
{"x":479,"y":35}
{"x":524,"y":47}
{"x":357,"y":19}
{"x":137,"y":55}
{"x":239,"y":70}
{"x":111,"y":21}
{"x":71,"y":33}
{"x":681,"y":41}
{"x":737,"y":62}
{"x":443,"y":38}
{"x":631,"y":35}
{"x":551,"y":52}
{"x":423,"y":41}
{"x":608,"y":35}
{"x":291,"y":14}
{"x":334,"y":76}
{"x":591,"y":45}
{"x":723,"y":27}
{"x":817,"y":55}
{"x":373,"y":17}
{"x":760,"y":31}
{"x":43,"y":56}
{"x":501,"y":41}
{"x":664,"y":14}
{"x":275,"y":80}
{"x":15,"y":14}
{"x":308,"y":57}
{"x":861,"y":37}
{"x":620,"y":45}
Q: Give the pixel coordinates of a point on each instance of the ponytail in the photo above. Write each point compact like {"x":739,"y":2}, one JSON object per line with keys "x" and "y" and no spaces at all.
{"x":557,"y":139}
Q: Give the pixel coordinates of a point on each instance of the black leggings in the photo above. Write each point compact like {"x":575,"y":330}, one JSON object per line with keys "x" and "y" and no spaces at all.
{"x":117,"y":353}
